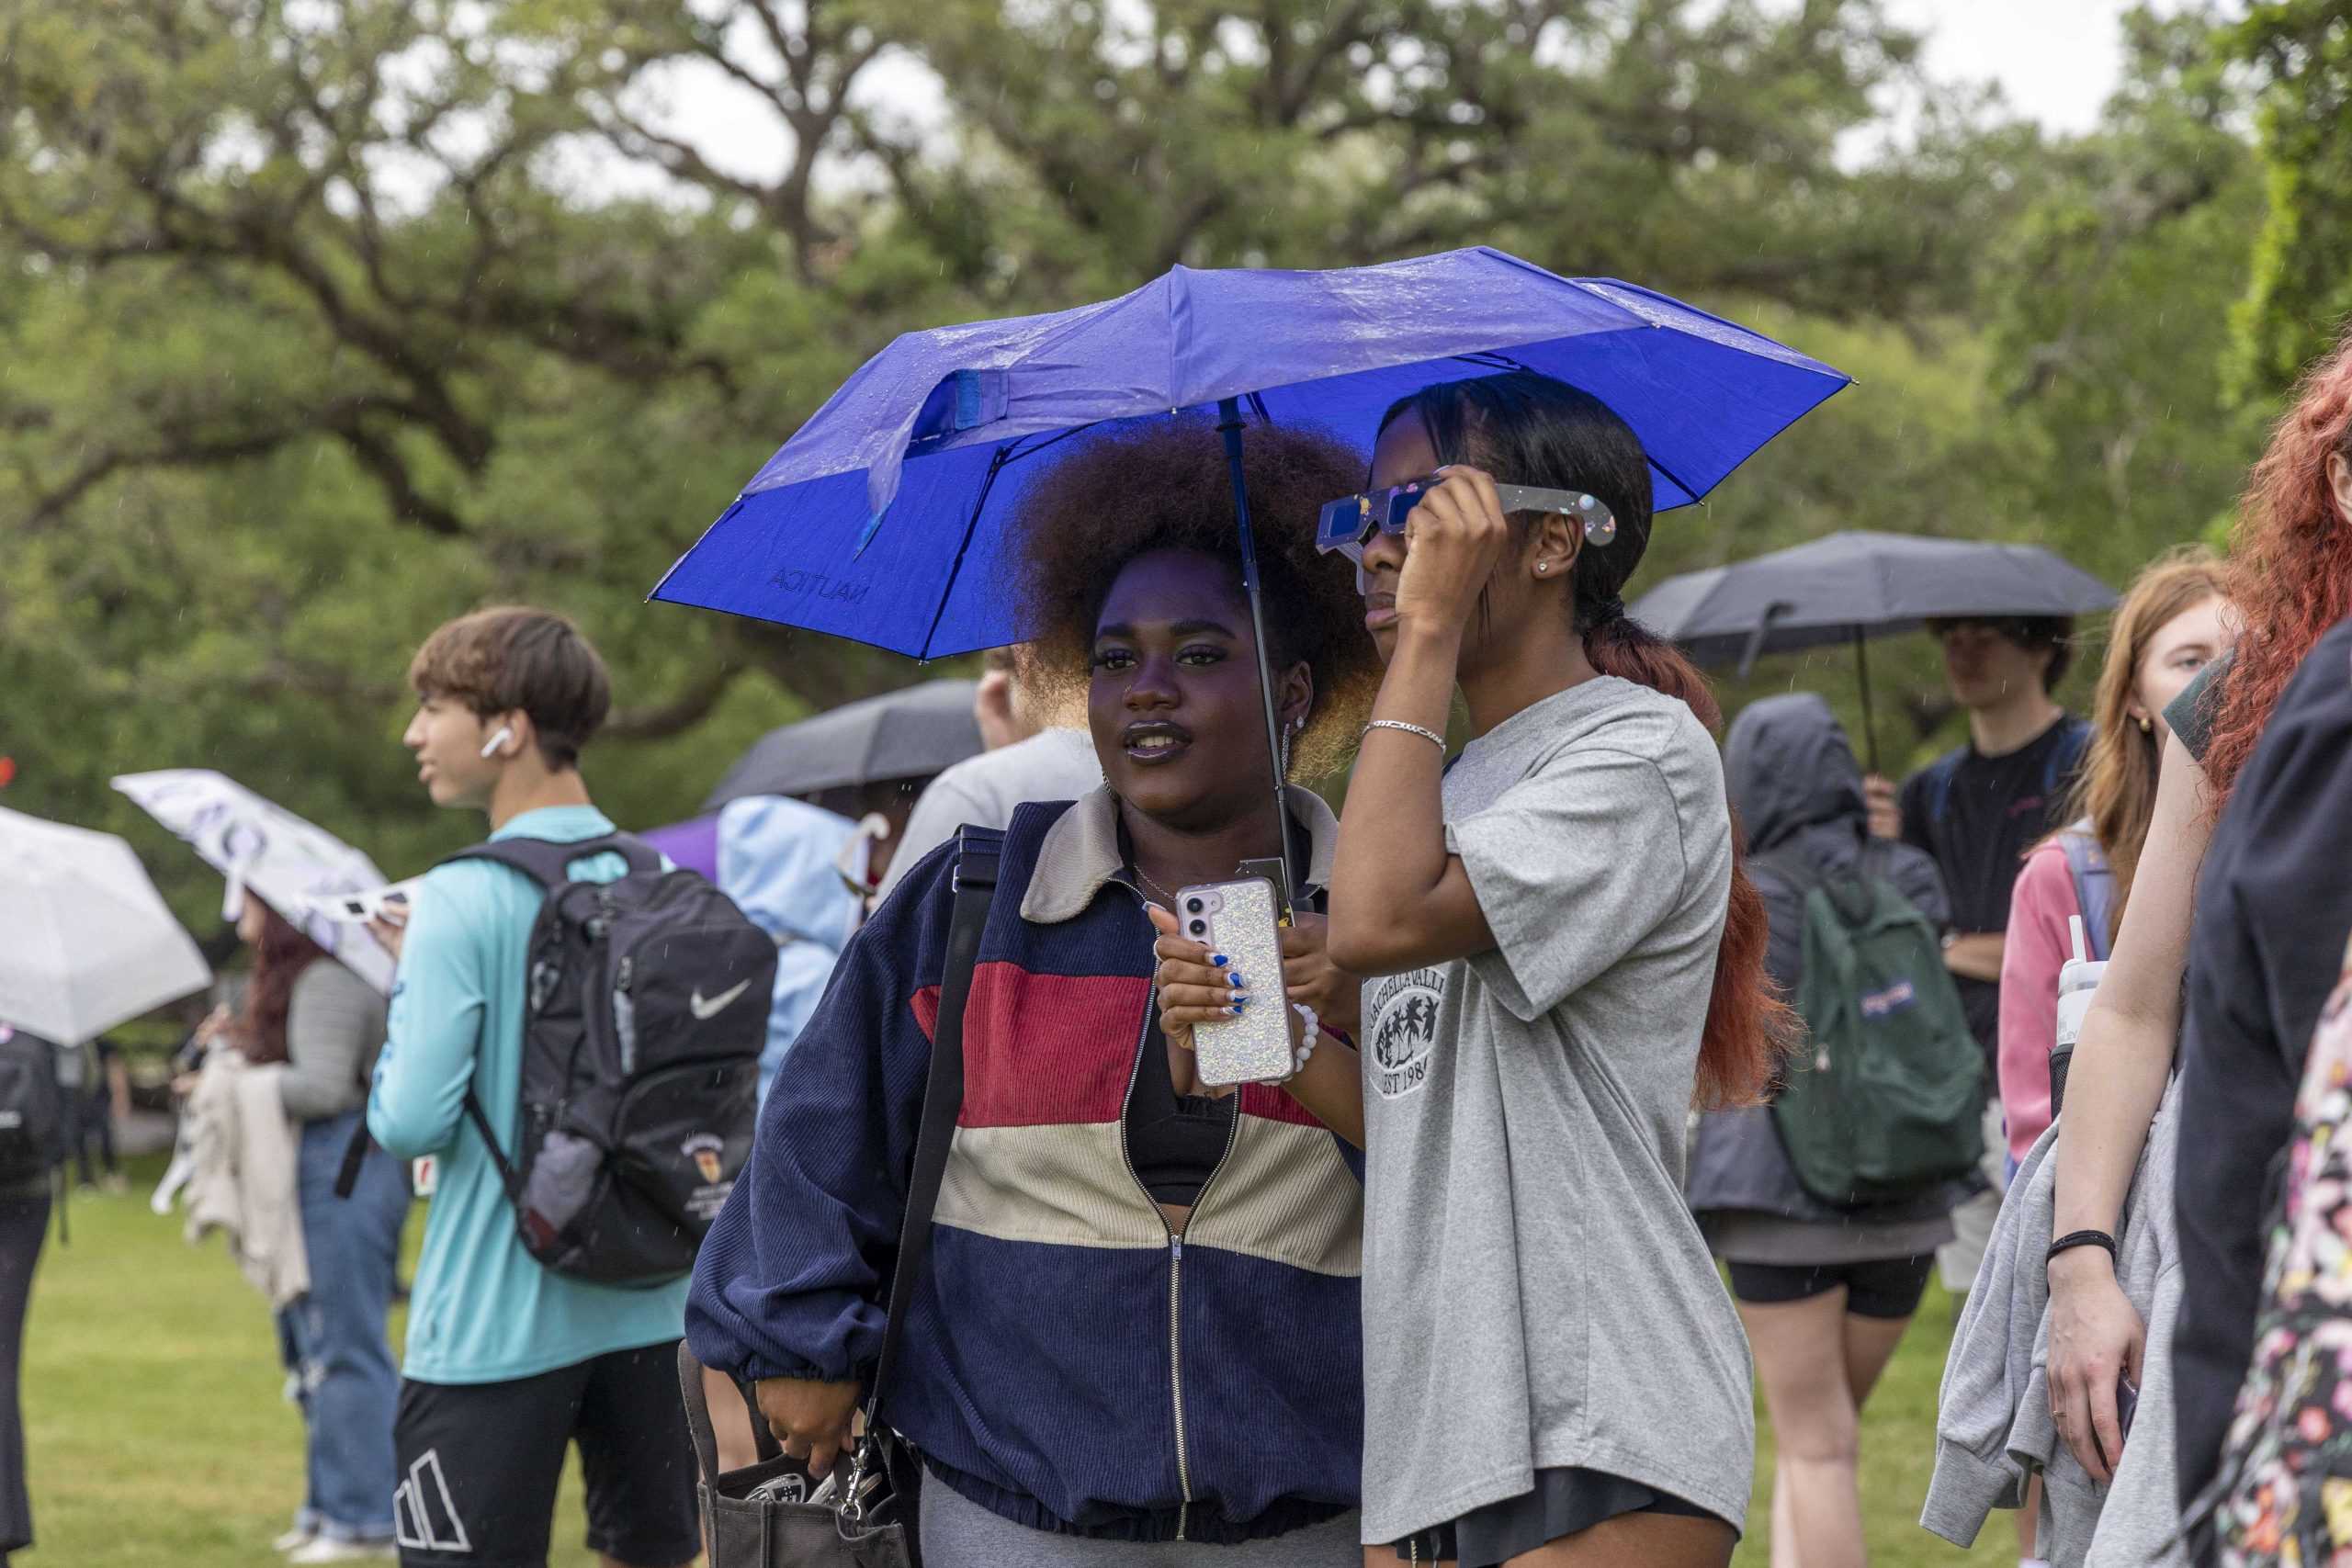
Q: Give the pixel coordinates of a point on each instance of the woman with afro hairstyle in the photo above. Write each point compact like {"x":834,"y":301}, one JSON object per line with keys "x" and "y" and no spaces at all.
{"x":1570,"y":961}
{"x":1138,"y":1339}
{"x":2290,"y":577}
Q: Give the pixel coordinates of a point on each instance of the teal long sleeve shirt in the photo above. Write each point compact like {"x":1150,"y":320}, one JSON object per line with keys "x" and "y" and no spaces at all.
{"x":482,"y":1310}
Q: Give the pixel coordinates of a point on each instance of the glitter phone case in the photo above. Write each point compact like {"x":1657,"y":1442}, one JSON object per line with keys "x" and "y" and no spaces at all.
{"x":1237,"y":920}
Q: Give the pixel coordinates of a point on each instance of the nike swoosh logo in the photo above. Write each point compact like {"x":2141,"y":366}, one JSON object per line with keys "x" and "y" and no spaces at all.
{"x":716,"y":1004}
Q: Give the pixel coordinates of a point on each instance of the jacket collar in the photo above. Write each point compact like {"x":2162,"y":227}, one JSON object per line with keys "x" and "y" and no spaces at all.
{"x":1080,"y":854}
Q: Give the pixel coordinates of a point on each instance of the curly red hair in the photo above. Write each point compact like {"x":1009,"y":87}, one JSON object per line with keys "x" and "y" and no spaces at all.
{"x":2290,"y":560}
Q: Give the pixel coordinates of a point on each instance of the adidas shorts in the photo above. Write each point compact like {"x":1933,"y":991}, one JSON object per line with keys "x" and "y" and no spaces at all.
{"x":479,"y":1465}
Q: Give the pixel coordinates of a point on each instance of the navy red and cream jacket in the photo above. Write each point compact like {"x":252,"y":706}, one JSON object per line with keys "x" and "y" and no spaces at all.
{"x":1068,"y":1363}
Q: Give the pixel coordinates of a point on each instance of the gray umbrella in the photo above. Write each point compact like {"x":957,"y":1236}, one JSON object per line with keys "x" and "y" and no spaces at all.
{"x":1848,"y":587}
{"x":910,"y":734}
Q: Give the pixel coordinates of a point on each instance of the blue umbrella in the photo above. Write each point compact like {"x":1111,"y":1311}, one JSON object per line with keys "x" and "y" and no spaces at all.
{"x":884,"y":519}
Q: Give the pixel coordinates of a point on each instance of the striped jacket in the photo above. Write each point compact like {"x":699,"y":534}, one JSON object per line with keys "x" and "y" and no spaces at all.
{"x":1068,"y":1363}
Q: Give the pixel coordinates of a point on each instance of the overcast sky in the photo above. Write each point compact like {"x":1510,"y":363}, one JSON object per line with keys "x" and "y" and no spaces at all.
{"x":2056,"y":59}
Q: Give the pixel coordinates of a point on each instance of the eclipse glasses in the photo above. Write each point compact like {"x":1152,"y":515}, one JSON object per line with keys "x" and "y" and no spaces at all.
{"x":1347,"y":524}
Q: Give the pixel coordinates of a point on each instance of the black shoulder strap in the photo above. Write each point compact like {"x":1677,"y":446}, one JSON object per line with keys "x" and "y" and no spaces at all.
{"x":548,"y":862}
{"x":1849,"y":897}
{"x":978,"y":851}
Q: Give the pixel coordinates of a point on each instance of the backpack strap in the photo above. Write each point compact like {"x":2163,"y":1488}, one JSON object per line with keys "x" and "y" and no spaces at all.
{"x":548,"y":862}
{"x":978,"y":851}
{"x":2094,"y":888}
{"x":2065,"y":757}
{"x":1940,"y":772}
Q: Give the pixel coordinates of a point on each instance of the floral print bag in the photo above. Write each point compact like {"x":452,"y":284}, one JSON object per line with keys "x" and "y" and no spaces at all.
{"x":2284,"y":1499}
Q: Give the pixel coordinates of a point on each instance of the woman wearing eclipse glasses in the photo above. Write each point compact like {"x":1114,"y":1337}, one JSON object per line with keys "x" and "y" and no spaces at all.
{"x":1568,"y":959}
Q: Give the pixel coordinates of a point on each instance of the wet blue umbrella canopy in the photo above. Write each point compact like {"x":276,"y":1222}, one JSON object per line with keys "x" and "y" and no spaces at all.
{"x":884,"y":518}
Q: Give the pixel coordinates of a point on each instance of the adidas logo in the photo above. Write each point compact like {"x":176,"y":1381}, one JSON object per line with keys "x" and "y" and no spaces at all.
{"x":423,"y":1516}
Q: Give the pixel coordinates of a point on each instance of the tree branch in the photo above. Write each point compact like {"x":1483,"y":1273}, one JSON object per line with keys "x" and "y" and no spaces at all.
{"x":660,"y":721}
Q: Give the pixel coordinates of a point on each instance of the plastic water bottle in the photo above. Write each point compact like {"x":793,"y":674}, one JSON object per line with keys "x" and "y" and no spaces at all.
{"x":2077,"y":984}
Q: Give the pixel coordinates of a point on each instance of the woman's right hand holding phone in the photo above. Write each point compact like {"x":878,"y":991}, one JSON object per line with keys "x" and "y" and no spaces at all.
{"x":1195,"y":988}
{"x":2096,"y":1340}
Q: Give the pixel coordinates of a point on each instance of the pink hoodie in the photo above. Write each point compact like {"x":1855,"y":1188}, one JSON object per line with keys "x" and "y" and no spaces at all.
{"x":2038,"y":946}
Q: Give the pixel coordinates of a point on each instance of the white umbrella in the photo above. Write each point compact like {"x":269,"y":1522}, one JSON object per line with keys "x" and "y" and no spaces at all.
{"x":259,"y":845}
{"x":86,"y":940}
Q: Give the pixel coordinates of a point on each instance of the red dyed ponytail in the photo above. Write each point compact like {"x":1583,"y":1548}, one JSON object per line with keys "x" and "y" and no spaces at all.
{"x":1749,"y":1029}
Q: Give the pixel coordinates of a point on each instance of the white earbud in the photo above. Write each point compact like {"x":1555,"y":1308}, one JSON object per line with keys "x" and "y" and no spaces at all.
{"x":489,"y":746}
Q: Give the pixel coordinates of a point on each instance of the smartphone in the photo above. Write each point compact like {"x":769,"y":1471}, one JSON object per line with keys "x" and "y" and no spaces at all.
{"x":1241,"y":920}
{"x":2127,"y":1404}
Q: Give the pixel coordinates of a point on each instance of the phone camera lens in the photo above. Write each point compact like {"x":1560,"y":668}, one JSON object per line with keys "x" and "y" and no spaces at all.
{"x":1200,"y":928}
{"x":1194,"y":905}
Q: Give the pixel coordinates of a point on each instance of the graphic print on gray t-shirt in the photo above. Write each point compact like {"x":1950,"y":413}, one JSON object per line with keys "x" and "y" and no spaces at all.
{"x":1404,"y":1009}
{"x":1535,"y":1291}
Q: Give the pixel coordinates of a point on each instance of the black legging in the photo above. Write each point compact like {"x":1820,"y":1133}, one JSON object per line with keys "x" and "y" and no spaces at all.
{"x":24,"y":1223}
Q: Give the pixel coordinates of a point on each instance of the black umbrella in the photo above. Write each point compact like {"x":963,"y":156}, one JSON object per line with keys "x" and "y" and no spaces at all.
{"x":910,"y":734}
{"x":1849,"y":587}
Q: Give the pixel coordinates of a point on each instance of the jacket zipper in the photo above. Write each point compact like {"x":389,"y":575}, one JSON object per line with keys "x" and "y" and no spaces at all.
{"x":1175,"y":1245}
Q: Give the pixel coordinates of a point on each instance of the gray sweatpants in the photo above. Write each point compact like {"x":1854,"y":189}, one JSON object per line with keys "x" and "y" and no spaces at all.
{"x":959,"y":1533}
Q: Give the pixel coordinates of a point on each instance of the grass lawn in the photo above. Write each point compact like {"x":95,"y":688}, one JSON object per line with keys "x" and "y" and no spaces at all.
{"x":158,"y":1439}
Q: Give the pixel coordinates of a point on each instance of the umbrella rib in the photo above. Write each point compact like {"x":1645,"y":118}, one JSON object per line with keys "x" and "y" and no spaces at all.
{"x":1013,"y":451}
{"x":971,"y":527}
{"x":1688,"y":488}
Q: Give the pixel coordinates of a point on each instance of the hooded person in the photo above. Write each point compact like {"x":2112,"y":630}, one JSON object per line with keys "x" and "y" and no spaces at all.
{"x":780,"y":860}
{"x":1825,"y":1291}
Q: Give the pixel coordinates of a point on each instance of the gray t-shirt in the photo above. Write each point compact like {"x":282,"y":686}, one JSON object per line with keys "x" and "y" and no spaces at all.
{"x":1536,"y":1293}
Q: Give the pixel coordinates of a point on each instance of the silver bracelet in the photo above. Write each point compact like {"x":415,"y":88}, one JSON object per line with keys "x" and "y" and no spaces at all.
{"x":1432,"y":736}
{"x":1312,"y":1033}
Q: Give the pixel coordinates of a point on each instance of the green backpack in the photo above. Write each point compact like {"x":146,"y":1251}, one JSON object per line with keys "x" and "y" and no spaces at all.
{"x":1887,"y":1097}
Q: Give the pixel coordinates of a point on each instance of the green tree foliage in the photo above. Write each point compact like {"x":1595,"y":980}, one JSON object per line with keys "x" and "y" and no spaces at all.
{"x":328,"y":319}
{"x":2300,"y":294}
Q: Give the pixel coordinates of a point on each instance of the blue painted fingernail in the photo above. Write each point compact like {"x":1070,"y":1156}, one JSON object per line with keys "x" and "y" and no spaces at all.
{"x":1218,"y":960}
{"x":1233,"y":978}
{"x":1240,"y":1006}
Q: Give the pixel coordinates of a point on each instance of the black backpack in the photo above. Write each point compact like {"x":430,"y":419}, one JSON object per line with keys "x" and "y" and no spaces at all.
{"x":32,"y":1110}
{"x":645,"y":1009}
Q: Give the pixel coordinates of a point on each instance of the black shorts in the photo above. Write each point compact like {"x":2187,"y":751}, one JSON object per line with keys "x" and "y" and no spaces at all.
{"x":1882,"y":1287}
{"x":479,"y":1464}
{"x":1565,"y":1501}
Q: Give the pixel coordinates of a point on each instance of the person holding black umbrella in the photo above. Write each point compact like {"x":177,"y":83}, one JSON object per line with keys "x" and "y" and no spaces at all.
{"x":1976,"y":811}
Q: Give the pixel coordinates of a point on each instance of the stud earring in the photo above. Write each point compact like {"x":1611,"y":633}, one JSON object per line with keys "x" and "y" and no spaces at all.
{"x":1542,"y":567}
{"x":2147,"y":724}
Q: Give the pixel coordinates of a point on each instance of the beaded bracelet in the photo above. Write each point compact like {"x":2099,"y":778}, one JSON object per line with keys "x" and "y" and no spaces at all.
{"x":1312,"y":1033}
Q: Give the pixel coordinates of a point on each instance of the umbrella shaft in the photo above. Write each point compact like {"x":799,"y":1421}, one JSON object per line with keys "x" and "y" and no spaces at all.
{"x":1869,"y":726}
{"x":1229,"y":426}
